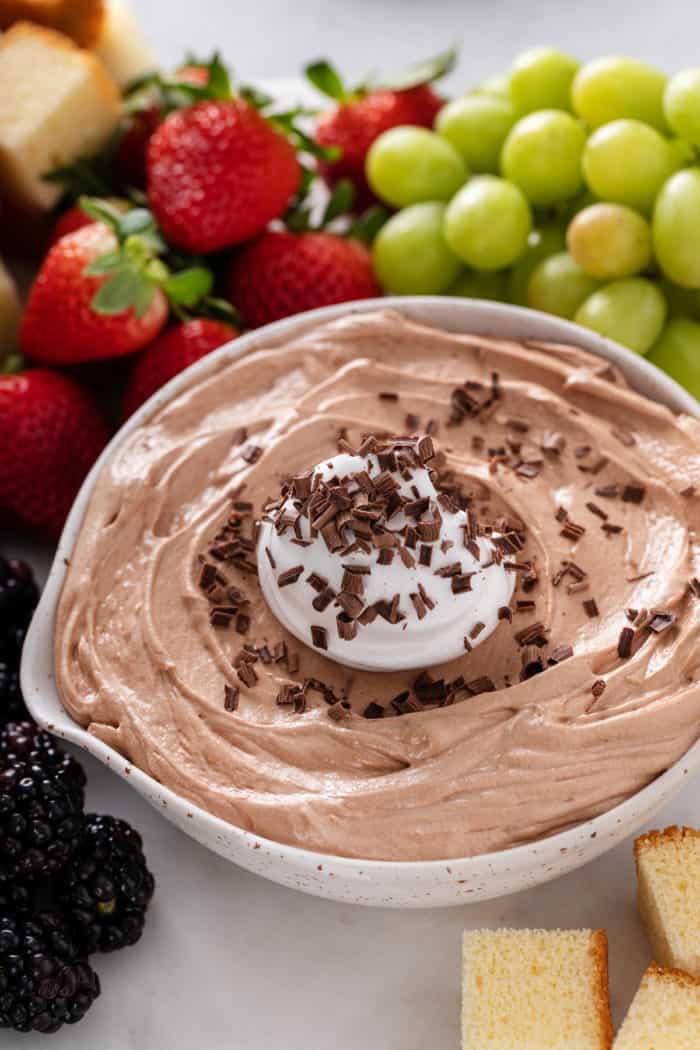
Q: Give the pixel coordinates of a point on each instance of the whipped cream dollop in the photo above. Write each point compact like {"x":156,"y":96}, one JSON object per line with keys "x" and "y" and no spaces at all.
{"x":367,"y":558}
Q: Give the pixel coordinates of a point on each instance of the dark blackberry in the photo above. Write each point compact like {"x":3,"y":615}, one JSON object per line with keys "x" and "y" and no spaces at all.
{"x":12,"y":707}
{"x":41,"y":803}
{"x":19,"y":595}
{"x":44,"y":980}
{"x":106,"y":889}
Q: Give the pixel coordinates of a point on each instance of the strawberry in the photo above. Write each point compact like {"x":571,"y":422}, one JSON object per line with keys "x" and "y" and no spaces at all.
{"x":61,"y":327}
{"x":361,"y":115}
{"x":283,"y":273}
{"x":218,"y":172}
{"x":172,"y":352}
{"x":51,"y":432}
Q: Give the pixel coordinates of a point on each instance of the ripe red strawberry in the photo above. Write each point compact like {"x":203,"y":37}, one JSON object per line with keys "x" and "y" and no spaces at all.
{"x":218,"y":172}
{"x":51,"y":433}
{"x":281,"y":273}
{"x":59,"y":325}
{"x":354,"y":125}
{"x":172,"y":352}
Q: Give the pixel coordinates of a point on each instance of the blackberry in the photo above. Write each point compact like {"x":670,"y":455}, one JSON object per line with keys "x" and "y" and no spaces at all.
{"x":41,"y":803}
{"x":106,"y":889}
{"x":45,"y":982}
{"x":18,"y":597}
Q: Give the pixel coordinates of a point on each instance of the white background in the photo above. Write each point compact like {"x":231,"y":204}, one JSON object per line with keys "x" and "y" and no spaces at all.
{"x":230,"y":962}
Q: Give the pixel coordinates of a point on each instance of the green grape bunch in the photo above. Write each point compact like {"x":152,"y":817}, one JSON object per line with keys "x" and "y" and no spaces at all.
{"x":568,"y":187}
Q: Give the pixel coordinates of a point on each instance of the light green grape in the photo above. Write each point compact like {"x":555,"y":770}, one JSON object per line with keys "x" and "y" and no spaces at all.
{"x":475,"y":284}
{"x":487,"y":224}
{"x":558,"y":286}
{"x":628,"y":162}
{"x":410,"y":253}
{"x":682,"y":104}
{"x":542,"y":155}
{"x":682,"y":152}
{"x":631,"y":311}
{"x":682,"y":302}
{"x":613,"y":88}
{"x":476,"y":126}
{"x":541,"y":79}
{"x":407,"y":165}
{"x":498,"y":85}
{"x":609,"y":241}
{"x":543,"y":241}
{"x":677,"y":351}
{"x":676,"y":228}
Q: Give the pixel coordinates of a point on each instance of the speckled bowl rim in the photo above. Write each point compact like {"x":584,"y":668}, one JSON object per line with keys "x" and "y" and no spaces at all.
{"x":455,"y":314}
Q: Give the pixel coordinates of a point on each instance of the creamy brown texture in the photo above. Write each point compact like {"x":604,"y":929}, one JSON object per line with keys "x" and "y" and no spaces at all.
{"x":139,"y":664}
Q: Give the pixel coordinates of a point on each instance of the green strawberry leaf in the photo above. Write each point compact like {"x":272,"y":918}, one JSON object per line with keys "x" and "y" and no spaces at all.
{"x":189,"y":286}
{"x":143,"y":298}
{"x":91,"y":175}
{"x":326,"y":79}
{"x":340,"y":202}
{"x":421,"y":73}
{"x":119,"y":293}
{"x":219,"y":310}
{"x":11,"y":364}
{"x":255,"y":98}
{"x":219,"y":82}
{"x":101,"y":211}
{"x":366,"y":227}
{"x":104,"y":264}
{"x":137,"y":220}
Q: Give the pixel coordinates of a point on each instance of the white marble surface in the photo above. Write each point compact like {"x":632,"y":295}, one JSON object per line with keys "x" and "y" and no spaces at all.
{"x":230,"y":961}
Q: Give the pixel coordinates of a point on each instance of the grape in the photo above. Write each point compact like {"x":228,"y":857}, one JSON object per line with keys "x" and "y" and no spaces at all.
{"x":542,"y":155}
{"x":498,"y":85}
{"x":609,"y":240}
{"x":682,"y":153}
{"x":676,"y":228}
{"x":677,"y":351}
{"x":613,"y":88}
{"x":631,"y":311}
{"x":488,"y":222}
{"x":476,"y":284}
{"x":541,"y":79}
{"x":628,"y":162}
{"x":543,"y":241}
{"x":682,"y":104}
{"x":476,"y":126}
{"x":410,"y":254}
{"x":406,"y":165}
{"x":558,"y":286}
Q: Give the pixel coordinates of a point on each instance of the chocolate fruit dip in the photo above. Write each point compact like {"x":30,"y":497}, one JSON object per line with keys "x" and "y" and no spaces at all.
{"x":581,"y":492}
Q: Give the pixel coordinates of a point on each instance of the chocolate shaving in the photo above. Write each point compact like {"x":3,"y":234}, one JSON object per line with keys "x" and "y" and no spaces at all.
{"x":598,"y":687}
{"x":231,"y":694}
{"x":610,"y":529}
{"x":572,"y":531}
{"x":323,"y":599}
{"x":591,"y":608}
{"x":462,"y":582}
{"x":246,"y":673}
{"x":480,"y":685}
{"x":624,"y":644}
{"x":347,"y":628}
{"x":534,"y":634}
{"x":319,"y":636}
{"x":242,"y":623}
{"x":560,"y":653}
{"x":661,"y":621}
{"x":289,"y":576}
{"x":633,"y":493}
{"x":688,"y":492}
{"x":388,"y":395}
{"x":476,"y":630}
{"x":598,"y":511}
{"x":251,"y":453}
{"x":505,"y":613}
{"x":694,"y":587}
{"x":611,"y":491}
{"x":373,"y":710}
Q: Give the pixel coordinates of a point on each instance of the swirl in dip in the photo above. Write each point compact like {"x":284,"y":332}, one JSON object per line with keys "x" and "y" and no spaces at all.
{"x":585,"y":689}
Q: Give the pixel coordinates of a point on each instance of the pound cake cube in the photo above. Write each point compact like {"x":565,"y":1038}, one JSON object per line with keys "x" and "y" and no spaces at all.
{"x":121,"y":46}
{"x":80,"y":19}
{"x":56,"y":104}
{"x":10,"y":311}
{"x":665,"y":1013}
{"x":535,"y":990}
{"x":668,"y":880}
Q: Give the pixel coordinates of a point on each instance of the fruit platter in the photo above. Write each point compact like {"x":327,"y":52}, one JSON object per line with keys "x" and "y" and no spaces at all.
{"x":349,"y":480}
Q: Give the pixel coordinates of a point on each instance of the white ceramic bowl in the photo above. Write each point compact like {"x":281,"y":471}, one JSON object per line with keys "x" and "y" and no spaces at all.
{"x":388,"y":883}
